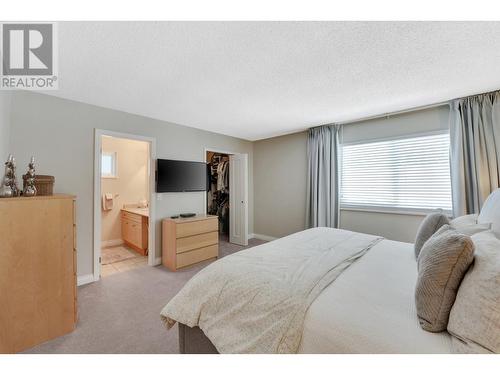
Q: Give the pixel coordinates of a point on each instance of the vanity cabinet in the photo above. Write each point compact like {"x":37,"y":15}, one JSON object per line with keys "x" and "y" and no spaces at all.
{"x":135,"y":231}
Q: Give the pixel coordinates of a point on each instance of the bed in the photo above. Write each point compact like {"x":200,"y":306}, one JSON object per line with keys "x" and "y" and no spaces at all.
{"x":326,"y":290}
{"x":367,"y":308}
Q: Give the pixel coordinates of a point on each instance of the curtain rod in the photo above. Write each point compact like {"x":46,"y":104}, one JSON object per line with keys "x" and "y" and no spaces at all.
{"x":396,"y":113}
{"x":388,"y":114}
{"x":408,"y":110}
{"x":420,"y":108}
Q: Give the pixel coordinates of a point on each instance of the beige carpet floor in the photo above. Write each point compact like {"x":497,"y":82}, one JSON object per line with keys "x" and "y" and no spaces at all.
{"x":121,"y":312}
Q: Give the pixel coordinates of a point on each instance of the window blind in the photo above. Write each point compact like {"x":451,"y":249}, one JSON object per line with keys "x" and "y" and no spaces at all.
{"x":400,"y":174}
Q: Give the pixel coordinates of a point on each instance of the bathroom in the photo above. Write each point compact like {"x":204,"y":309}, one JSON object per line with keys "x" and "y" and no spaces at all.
{"x":125,"y":176}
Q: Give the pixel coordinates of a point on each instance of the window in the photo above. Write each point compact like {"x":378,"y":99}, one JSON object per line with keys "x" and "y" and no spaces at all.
{"x":108,"y":164}
{"x":410,"y":174}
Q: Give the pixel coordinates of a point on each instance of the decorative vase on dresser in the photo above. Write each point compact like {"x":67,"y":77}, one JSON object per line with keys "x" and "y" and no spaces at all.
{"x":37,"y":270}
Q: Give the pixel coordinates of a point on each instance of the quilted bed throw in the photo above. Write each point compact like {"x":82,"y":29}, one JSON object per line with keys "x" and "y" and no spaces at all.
{"x":255,"y":301}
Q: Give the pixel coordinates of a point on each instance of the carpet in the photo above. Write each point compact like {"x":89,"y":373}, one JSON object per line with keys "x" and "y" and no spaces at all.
{"x":121,"y":313}
{"x":116,"y":254}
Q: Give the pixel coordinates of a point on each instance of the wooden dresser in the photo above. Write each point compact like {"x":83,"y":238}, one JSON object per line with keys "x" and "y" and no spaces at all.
{"x":189,"y":241}
{"x":37,"y":270}
{"x":135,"y":231}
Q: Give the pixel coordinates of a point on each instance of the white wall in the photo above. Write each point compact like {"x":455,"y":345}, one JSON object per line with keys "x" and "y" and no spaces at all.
{"x":280,"y":178}
{"x":5,"y":107}
{"x":60,"y":134}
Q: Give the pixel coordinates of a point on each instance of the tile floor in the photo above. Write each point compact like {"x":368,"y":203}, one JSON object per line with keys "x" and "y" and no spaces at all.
{"x":124,"y":265}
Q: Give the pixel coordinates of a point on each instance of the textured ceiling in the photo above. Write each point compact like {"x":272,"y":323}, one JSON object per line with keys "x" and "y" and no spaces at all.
{"x":255,"y":80}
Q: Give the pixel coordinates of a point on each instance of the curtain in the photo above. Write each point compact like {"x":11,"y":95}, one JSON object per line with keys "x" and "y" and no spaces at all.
{"x":323,"y":176}
{"x":475,"y":151}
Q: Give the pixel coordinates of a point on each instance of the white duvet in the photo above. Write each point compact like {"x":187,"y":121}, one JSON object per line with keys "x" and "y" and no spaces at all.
{"x":255,"y":301}
{"x":370,"y":308}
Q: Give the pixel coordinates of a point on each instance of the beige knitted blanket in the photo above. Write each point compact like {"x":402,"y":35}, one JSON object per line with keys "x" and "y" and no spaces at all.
{"x":255,"y":301}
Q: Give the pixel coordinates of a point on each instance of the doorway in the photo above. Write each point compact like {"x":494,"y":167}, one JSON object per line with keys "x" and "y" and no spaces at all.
{"x":123,"y":203}
{"x":218,"y":191}
{"x":227,"y":195}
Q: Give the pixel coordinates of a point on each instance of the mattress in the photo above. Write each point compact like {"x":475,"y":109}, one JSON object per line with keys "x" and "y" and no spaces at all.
{"x":370,"y":308}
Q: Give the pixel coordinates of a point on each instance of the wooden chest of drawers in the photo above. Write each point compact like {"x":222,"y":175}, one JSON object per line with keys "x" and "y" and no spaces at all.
{"x":37,"y":270}
{"x":189,"y":241}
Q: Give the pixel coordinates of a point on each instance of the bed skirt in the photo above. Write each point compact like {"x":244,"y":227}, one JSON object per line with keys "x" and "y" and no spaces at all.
{"x":194,"y":341}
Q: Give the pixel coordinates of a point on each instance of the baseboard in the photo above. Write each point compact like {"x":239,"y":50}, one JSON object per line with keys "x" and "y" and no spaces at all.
{"x":262,"y":237}
{"x":85,"y":279}
{"x":157,"y":261}
{"x":111,"y":243}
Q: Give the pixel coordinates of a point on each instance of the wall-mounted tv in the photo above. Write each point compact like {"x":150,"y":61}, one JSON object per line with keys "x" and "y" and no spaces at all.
{"x":180,"y":176}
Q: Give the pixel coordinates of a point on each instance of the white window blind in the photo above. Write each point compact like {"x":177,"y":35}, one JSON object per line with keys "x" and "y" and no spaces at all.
{"x":401,"y":174}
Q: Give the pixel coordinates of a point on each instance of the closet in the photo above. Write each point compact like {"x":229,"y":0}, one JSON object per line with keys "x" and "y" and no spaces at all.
{"x":218,"y":193}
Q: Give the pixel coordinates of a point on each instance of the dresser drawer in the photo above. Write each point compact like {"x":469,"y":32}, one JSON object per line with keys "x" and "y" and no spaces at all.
{"x":198,"y":255}
{"x":197,"y":227}
{"x":195,"y":242}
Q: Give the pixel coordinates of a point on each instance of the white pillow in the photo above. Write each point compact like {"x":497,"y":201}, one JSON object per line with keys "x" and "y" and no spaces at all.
{"x":474,"y":319}
{"x":464,"y":220}
{"x":468,"y":225}
{"x":490,"y":213}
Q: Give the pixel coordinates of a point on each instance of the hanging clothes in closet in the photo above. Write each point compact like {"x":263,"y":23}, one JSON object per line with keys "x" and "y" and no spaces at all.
{"x":218,"y":195}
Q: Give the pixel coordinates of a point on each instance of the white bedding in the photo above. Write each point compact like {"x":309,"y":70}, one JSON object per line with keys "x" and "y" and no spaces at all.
{"x":255,"y":301}
{"x":370,"y":308}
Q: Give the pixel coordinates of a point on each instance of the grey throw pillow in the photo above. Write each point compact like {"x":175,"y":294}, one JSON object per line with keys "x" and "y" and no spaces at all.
{"x":428,"y":227}
{"x":475,"y":315}
{"x":442,"y":263}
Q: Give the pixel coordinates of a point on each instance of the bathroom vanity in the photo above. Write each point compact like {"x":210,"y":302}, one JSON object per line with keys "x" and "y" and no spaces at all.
{"x":135,"y":228}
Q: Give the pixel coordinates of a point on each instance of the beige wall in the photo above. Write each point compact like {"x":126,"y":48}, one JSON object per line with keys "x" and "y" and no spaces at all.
{"x":280,"y":178}
{"x":397,"y":227}
{"x":130,"y":185}
{"x":5,"y":103}
{"x":60,"y":134}
{"x":279,"y":185}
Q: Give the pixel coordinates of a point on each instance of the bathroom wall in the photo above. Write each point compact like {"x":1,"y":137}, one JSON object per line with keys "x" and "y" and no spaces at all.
{"x":130,"y":185}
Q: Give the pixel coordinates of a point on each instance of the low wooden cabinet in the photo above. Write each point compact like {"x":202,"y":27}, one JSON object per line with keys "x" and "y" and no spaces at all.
{"x":189,"y":241}
{"x":135,"y":231}
{"x":37,"y":270}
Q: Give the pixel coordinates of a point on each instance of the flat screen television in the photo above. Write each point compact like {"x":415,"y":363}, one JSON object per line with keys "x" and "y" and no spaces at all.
{"x":180,"y":176}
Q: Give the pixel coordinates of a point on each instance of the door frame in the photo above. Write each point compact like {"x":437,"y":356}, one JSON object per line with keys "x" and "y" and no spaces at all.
{"x":98,"y":133}
{"x":219,"y":151}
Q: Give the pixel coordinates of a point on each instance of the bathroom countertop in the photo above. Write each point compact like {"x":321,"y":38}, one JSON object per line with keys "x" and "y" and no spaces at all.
{"x":137,"y":211}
